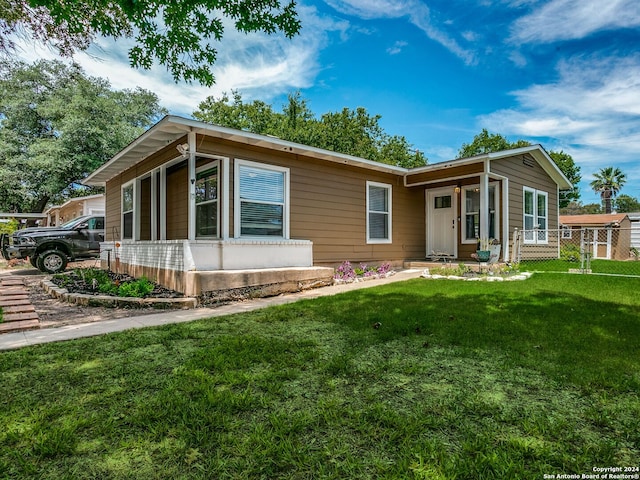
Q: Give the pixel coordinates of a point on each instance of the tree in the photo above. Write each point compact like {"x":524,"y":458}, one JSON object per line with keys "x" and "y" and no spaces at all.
{"x":565,"y":163}
{"x":627,"y":204}
{"x":576,"y":208}
{"x":608,"y":182}
{"x":486,"y":142}
{"x":57,"y":126}
{"x":353,"y":132}
{"x":180,"y":35}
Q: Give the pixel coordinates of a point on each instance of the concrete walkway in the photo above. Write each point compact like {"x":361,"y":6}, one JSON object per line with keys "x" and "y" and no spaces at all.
{"x":9,"y":341}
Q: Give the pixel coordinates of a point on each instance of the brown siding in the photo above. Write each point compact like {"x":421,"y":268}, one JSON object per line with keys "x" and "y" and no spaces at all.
{"x":145,"y":209}
{"x":177,"y":202}
{"x":112,"y":211}
{"x":327,"y":206}
{"x":521,"y":175}
{"x":445,"y":173}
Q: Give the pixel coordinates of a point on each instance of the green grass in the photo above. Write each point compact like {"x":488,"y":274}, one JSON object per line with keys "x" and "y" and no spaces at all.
{"x":615,"y":267}
{"x":463,"y":380}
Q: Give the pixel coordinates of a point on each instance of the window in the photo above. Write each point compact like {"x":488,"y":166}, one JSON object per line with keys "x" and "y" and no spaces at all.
{"x":207,"y":200}
{"x":95,"y":223}
{"x":471,"y":213}
{"x":442,"y":202}
{"x":127,"y":210}
{"x":262,"y":199}
{"x":378,"y":213}
{"x":535,"y":216}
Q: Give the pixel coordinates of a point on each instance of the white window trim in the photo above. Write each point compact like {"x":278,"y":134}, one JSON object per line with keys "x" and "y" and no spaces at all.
{"x":463,"y":213}
{"x":536,"y":237}
{"x":389,"y":189}
{"x":133,"y":184}
{"x":236,"y":197}
{"x":203,"y":168}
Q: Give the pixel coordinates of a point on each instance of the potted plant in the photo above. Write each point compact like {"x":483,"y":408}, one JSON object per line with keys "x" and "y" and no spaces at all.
{"x":483,"y":252}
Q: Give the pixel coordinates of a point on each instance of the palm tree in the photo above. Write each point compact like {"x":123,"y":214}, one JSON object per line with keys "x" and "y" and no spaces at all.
{"x":608,"y":182}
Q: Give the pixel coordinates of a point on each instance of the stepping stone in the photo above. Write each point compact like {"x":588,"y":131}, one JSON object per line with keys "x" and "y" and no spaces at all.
{"x":18,"y":309}
{"x":17,"y":317}
{"x":19,"y":325}
{"x":13,"y":298}
{"x":13,"y":303}
{"x":13,"y":290}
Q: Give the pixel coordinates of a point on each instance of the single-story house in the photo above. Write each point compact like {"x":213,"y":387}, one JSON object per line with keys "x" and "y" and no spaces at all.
{"x":74,"y":208}
{"x":608,"y":235}
{"x":188,"y":202}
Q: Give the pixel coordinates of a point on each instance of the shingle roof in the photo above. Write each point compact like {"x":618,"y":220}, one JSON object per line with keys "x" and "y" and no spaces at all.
{"x":593,"y":219}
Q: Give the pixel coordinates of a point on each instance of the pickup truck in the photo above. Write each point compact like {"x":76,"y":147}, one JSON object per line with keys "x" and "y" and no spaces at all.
{"x":50,"y":249}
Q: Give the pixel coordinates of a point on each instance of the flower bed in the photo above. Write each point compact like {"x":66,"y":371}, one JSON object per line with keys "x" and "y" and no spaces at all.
{"x":347,"y":273}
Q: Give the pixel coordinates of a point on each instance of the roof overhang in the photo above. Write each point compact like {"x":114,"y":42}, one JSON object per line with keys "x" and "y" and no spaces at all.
{"x":536,"y":151}
{"x":171,"y":128}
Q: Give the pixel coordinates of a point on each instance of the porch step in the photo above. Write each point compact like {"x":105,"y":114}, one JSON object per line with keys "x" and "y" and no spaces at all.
{"x":17,"y":311}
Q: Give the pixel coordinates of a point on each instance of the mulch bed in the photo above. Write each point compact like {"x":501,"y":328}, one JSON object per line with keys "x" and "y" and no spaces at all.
{"x":75,"y":283}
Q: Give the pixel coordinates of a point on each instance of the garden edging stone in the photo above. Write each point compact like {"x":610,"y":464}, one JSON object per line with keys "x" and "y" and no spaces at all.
{"x":111,"y":301}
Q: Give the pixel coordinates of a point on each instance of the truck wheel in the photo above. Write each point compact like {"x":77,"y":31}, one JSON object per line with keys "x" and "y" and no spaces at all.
{"x":52,"y":261}
{"x":33,"y":260}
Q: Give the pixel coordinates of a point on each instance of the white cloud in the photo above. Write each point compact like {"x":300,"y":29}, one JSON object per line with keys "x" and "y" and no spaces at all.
{"x":574,"y":19}
{"x":259,"y":65}
{"x":371,"y":9}
{"x":417,"y":12}
{"x":591,"y":112}
{"x":397,"y":47}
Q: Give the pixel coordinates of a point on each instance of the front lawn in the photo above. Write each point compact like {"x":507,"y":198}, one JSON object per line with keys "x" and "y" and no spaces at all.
{"x":425,"y":379}
{"x":611,"y":267}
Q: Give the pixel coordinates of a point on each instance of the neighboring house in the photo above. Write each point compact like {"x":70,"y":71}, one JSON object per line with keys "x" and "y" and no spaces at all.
{"x":635,"y":229}
{"x":74,"y":208}
{"x":608,"y":235}
{"x":187,"y":199}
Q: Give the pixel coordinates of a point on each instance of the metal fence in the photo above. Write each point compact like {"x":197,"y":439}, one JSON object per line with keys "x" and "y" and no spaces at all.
{"x":606,"y":251}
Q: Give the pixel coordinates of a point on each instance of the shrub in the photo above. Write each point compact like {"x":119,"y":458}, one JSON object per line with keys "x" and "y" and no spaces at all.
{"x":9,"y":227}
{"x":137,"y":288}
{"x":570,"y":253}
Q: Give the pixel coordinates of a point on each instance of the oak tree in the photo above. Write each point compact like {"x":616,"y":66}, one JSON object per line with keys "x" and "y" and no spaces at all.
{"x":182,"y":35}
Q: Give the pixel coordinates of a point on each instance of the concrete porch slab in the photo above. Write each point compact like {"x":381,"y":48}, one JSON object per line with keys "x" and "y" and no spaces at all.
{"x":262,"y":282}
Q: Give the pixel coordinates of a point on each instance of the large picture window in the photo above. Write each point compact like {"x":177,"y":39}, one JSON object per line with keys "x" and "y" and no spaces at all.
{"x":127,"y":210}
{"x":535,"y":215}
{"x":262,"y":198}
{"x":207,"y":200}
{"x":378,"y":213}
{"x":471,"y":213}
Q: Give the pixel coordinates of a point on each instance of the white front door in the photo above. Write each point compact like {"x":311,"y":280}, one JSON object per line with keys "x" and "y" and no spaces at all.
{"x":442,"y":227}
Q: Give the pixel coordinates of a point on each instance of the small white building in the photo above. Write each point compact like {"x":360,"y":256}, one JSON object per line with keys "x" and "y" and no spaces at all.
{"x":74,"y":208}
{"x":635,"y":229}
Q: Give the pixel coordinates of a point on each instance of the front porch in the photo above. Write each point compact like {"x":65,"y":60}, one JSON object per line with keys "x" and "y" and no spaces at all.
{"x":200,"y":267}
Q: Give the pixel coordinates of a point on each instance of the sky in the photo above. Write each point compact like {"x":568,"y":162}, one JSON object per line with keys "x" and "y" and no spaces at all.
{"x":562,"y":73}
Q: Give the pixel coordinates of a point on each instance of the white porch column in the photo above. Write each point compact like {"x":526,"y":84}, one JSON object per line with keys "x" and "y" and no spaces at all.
{"x":226,"y":201}
{"x":192,"y":185}
{"x":484,"y":205}
{"x":154,"y":203}
{"x":163,"y":202}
